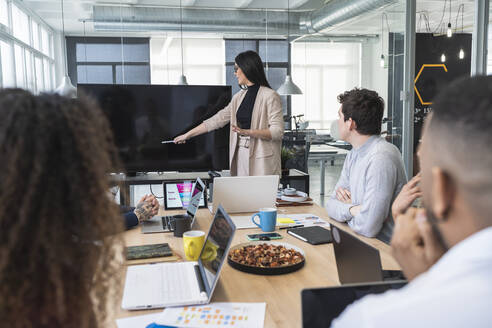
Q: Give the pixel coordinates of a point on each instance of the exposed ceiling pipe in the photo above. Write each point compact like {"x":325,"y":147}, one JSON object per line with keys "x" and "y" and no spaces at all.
{"x":337,"y":12}
{"x":246,"y":21}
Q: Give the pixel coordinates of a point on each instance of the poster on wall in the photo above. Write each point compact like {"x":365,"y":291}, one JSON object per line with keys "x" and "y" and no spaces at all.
{"x":438,"y":61}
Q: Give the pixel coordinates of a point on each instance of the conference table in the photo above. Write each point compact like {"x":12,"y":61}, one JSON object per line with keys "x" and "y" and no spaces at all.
{"x":281,"y":293}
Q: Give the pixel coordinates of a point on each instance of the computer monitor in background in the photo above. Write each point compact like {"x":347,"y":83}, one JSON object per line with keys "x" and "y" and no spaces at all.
{"x":142,"y":116}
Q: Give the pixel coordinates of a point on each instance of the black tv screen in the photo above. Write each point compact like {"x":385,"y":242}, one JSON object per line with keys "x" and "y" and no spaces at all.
{"x":142,"y":116}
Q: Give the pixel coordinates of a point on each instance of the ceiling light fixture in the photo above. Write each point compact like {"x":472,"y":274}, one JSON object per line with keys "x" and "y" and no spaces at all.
{"x":182,"y":78}
{"x":123,"y":80}
{"x":443,"y":58}
{"x":289,"y":87}
{"x":449,"y":32}
{"x":382,"y":61}
{"x":66,"y":88}
{"x":461,"y":54}
{"x":266,"y":41}
{"x":85,"y":54}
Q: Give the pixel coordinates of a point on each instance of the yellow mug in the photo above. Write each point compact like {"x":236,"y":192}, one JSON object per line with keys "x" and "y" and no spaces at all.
{"x":193,"y":242}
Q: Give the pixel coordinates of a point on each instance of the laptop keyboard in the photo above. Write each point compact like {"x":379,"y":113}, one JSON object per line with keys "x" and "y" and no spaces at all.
{"x":179,"y":282}
{"x":162,"y":283}
{"x":166,"y":222}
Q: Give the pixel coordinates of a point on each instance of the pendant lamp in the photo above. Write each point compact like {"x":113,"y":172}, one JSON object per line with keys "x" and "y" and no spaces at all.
{"x":66,"y":88}
{"x":182,"y":78}
{"x":289,"y":87}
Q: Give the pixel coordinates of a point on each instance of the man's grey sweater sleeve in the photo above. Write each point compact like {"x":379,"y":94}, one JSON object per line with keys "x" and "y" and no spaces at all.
{"x":336,"y":209}
{"x":381,"y":178}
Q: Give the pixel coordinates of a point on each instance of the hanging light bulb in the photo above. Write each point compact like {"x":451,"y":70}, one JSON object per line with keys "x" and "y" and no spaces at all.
{"x":289,"y":87}
{"x":461,"y":55}
{"x":381,"y":62}
{"x":450,"y":31}
{"x":66,"y":88}
{"x":443,"y":58}
{"x":182,"y":78}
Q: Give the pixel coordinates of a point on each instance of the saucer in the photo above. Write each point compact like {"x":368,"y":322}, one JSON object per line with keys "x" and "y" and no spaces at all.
{"x":299,"y":197}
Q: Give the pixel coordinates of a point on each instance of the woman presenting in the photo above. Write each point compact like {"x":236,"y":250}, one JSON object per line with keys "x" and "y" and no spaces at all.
{"x":257,"y":125}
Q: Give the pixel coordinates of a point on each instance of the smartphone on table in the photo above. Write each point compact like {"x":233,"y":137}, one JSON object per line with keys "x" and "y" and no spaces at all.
{"x":264,"y":236}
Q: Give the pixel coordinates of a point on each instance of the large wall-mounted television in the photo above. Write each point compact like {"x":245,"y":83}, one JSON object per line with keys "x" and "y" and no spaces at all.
{"x":142,"y":116}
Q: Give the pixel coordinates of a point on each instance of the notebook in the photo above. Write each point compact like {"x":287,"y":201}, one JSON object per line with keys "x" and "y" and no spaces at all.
{"x":160,"y":285}
{"x":314,"y":235}
{"x":148,"y":251}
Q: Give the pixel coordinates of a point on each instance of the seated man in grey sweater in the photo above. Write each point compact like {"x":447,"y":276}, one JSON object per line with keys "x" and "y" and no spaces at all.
{"x":373,"y":174}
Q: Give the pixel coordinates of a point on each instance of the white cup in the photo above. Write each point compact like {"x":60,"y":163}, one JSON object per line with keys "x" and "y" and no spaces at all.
{"x":290,"y":191}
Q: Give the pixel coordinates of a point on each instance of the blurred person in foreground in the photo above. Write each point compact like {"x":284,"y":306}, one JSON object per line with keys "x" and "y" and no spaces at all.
{"x":60,"y":252}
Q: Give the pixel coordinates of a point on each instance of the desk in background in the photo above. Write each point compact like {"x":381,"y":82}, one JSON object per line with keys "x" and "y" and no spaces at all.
{"x":282,"y":293}
{"x":324,"y":153}
{"x":157,"y":178}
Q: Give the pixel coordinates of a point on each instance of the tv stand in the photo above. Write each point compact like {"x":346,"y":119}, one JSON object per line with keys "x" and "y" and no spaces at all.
{"x":147,"y":178}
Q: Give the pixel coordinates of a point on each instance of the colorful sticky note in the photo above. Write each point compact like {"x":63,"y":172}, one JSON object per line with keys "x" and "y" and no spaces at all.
{"x":285,"y":221}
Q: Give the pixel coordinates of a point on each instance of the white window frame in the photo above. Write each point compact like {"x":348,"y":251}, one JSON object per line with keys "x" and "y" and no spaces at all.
{"x":6,"y":35}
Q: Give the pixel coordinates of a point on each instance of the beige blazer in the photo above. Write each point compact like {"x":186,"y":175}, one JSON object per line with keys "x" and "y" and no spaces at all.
{"x":264,"y":155}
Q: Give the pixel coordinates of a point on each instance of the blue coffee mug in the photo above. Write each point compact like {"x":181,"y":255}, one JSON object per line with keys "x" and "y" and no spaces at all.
{"x":268,"y":219}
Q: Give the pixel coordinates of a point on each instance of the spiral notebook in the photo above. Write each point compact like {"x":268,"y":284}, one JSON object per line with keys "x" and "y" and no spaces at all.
{"x":314,"y":235}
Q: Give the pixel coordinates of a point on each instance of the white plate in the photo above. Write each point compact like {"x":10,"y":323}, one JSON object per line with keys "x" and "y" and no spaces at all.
{"x":301,"y":196}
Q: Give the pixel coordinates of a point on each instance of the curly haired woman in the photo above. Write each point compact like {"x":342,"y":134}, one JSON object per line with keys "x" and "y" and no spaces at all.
{"x":59,"y":243}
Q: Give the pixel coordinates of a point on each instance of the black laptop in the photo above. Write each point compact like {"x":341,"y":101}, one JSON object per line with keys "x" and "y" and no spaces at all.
{"x":320,"y":306}
{"x":163,"y":223}
{"x":357,"y":261}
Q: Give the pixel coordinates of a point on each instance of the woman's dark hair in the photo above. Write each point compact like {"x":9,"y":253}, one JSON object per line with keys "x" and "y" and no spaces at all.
{"x":252,"y":66}
{"x":59,"y":242}
{"x":365,"y":107}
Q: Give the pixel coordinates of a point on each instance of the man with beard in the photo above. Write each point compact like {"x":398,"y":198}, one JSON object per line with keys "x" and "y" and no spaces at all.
{"x":444,"y":250}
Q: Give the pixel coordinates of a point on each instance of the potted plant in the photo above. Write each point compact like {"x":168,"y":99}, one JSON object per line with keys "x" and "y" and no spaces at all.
{"x":285,"y":155}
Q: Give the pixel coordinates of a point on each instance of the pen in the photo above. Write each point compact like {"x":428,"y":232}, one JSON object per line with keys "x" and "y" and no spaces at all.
{"x":167,"y":141}
{"x":294,"y":226}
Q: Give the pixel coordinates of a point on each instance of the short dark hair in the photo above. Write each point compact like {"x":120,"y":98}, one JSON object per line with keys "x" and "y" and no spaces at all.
{"x":252,"y":66}
{"x":463,"y":111}
{"x":365,"y":107}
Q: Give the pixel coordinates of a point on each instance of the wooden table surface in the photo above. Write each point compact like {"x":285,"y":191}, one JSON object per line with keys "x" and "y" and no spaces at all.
{"x":281,"y":293}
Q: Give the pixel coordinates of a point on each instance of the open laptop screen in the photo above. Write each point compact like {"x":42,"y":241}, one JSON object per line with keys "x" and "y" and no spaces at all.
{"x":196,"y":197}
{"x":320,"y":306}
{"x":215,"y":248}
{"x":178,"y":194}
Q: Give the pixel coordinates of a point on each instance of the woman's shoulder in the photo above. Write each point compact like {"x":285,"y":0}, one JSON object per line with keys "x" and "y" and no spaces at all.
{"x":268,"y":92}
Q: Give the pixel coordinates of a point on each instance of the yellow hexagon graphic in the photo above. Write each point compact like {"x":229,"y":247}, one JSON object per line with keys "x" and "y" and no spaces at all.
{"x":443,"y":66}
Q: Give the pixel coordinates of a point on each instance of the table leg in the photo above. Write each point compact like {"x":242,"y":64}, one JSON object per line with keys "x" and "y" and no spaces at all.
{"x":322,"y":177}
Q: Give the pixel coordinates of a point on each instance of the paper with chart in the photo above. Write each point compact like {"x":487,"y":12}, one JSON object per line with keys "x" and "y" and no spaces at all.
{"x":306,"y":220}
{"x":283,"y":220}
{"x":215,"y":315}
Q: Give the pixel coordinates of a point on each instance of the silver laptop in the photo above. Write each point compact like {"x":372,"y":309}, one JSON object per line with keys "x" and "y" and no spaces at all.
{"x":181,"y":283}
{"x":163,"y":223}
{"x":245,"y":194}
